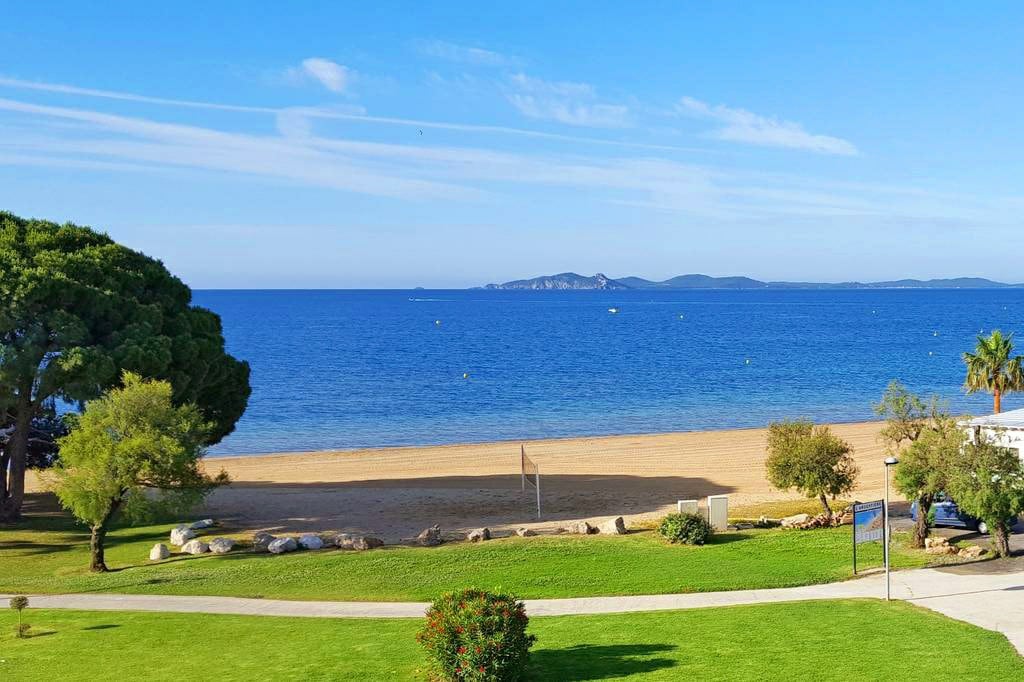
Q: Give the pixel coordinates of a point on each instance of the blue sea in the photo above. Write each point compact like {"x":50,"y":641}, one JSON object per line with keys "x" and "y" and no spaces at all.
{"x":344,"y":369}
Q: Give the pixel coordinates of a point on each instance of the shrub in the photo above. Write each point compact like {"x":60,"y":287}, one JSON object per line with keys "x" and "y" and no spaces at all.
{"x":686,"y":529}
{"x":477,"y":635}
{"x":19,"y":604}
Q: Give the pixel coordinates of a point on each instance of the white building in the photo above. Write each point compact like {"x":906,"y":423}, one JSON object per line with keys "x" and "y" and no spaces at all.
{"x":1005,"y":428}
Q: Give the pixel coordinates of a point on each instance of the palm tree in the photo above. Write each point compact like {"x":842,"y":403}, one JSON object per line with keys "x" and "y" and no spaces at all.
{"x":990,"y":368}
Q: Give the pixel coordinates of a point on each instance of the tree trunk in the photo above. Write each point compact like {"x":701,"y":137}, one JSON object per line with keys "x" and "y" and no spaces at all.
{"x":17,"y":453}
{"x":1001,"y":539}
{"x":921,"y":529}
{"x":997,"y":401}
{"x":4,"y":459}
{"x":824,"y":503}
{"x":99,"y":534}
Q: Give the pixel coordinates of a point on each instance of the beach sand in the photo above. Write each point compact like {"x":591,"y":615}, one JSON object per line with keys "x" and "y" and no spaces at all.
{"x":396,"y":492}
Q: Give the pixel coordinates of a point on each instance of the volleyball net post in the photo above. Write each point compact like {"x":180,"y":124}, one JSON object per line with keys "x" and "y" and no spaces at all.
{"x":529,"y":472}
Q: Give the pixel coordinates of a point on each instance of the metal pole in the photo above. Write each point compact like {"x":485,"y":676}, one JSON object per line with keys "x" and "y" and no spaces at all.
{"x":885,"y":532}
{"x":522,"y":466}
{"x":537,"y":479}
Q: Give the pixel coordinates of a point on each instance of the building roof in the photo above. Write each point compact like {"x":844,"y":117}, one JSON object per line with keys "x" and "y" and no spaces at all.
{"x":1012,"y":419}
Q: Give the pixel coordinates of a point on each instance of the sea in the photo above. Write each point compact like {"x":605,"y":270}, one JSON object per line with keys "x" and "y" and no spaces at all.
{"x":352,"y":369}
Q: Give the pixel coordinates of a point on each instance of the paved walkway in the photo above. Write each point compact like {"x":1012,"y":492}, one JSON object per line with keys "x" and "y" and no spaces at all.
{"x":988,"y":594}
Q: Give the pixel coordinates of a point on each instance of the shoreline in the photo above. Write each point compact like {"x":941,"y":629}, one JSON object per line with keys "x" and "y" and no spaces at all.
{"x":396,"y":492}
{"x":508,"y":441}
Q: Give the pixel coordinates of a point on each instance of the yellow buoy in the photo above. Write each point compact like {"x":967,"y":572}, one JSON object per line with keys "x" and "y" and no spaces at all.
{"x":747,"y":361}
{"x":437,"y":322}
{"x":465,"y":375}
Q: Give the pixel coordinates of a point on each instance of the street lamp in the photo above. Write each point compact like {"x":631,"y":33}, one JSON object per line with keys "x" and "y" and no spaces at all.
{"x":889,"y":461}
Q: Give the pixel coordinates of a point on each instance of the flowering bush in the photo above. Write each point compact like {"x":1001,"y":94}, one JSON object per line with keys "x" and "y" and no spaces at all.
{"x":686,"y":529}
{"x":476,"y":635}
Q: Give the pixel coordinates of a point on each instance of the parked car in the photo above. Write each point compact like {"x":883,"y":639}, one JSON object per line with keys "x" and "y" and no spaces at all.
{"x":945,"y":512}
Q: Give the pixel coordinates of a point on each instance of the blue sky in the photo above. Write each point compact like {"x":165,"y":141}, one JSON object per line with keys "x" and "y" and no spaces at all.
{"x":395,"y":145}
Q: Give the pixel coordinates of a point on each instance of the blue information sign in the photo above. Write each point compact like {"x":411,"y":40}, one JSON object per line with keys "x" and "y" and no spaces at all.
{"x":868,"y":525}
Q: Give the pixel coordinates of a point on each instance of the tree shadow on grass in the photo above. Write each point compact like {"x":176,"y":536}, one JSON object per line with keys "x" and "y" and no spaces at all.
{"x":102,"y":626}
{"x":598,"y":662}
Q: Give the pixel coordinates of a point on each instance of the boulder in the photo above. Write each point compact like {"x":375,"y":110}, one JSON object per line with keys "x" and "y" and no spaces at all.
{"x":195,"y":547}
{"x":794,"y":521}
{"x":221,"y":545}
{"x":199,"y":525}
{"x":345,"y":540}
{"x":479,"y":535}
{"x":159,"y":552}
{"x":310,"y":541}
{"x":616,"y":526}
{"x":181,"y":534}
{"x":430,"y":537}
{"x":524,"y":532}
{"x":939,"y":546}
{"x":328,"y":539}
{"x":971,"y":552}
{"x":261,"y":541}
{"x":365,"y":542}
{"x":935,"y":541}
{"x":282,"y":545}
{"x":582,"y":528}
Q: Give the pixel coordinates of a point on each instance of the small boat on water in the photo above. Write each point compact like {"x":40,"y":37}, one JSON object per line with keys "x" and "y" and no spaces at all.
{"x":613,"y":310}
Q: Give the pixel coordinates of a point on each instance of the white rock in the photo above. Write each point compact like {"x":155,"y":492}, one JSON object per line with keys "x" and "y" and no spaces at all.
{"x":282,"y":545}
{"x":159,"y":552}
{"x":221,"y":545}
{"x":430,"y":537}
{"x":181,"y":534}
{"x":199,"y":525}
{"x":195,"y":547}
{"x":524,"y":532}
{"x":616,"y":526}
{"x":479,"y":535}
{"x":310,"y":541}
{"x":365,"y":542}
{"x":582,"y":528}
{"x":261,"y":540}
{"x":795,"y":520}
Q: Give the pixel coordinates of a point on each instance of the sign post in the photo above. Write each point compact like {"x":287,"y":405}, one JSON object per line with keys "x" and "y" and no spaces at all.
{"x":868,"y":525}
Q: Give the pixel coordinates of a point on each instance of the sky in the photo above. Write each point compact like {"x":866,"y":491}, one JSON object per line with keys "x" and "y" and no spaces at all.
{"x":393,"y":145}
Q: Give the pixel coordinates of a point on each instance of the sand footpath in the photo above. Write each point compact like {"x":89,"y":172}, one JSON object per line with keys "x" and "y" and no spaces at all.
{"x":395,"y":492}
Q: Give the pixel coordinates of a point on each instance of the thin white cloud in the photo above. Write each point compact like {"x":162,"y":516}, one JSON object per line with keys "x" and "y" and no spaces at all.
{"x":333,"y":76}
{"x":462,"y":54}
{"x":564,"y":101}
{"x":348,"y":113}
{"x":740,"y":125}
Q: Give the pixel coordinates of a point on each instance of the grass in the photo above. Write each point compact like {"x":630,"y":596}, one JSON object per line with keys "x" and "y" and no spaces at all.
{"x":821,"y":641}
{"x":782,"y":508}
{"x":50,"y":555}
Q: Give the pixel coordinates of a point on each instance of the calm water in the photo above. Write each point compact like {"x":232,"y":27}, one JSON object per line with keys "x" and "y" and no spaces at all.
{"x":339,"y":369}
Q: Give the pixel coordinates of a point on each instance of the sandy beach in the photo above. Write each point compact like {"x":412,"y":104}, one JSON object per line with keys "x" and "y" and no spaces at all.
{"x":396,"y":492}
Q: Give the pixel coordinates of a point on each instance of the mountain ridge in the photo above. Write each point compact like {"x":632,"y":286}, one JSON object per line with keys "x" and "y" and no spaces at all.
{"x":566,"y":281}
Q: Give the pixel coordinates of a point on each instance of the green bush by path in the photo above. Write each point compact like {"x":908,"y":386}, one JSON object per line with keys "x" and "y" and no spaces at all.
{"x":821,"y":641}
{"x":36,"y":560}
{"x":685,"y":529}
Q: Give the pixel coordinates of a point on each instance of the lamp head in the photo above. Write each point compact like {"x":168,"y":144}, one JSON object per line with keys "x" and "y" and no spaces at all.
{"x":889,"y":461}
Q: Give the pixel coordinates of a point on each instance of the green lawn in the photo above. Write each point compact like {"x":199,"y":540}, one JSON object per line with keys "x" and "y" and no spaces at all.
{"x":842,"y":640}
{"x":50,"y":555}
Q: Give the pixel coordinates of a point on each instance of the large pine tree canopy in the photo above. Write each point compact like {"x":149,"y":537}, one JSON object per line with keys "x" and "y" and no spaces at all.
{"x":78,"y":309}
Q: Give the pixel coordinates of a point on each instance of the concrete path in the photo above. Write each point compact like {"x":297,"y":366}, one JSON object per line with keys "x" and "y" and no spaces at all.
{"x":988,"y":594}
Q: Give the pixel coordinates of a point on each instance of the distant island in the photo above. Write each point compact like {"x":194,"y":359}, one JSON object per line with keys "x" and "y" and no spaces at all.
{"x":570,"y":281}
